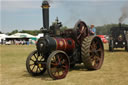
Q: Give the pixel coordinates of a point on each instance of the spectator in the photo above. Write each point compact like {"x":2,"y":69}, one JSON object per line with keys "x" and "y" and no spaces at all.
{"x":93,"y":29}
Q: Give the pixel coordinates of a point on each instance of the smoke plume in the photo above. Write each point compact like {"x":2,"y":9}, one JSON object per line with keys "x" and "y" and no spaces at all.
{"x":124,"y":15}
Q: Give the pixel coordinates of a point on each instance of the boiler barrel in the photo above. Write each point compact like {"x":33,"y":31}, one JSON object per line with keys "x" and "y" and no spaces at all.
{"x":49,"y":44}
{"x":65,"y":44}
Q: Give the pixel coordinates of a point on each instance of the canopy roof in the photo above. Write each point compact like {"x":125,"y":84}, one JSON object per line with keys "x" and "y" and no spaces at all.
{"x":22,"y":35}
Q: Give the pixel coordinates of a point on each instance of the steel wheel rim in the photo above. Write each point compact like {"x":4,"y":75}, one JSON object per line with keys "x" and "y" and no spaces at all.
{"x":59,"y":66}
{"x":96,"y":53}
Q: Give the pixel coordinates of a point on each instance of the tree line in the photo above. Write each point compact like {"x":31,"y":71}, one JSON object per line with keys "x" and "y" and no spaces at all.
{"x":100,"y":30}
{"x":105,"y":29}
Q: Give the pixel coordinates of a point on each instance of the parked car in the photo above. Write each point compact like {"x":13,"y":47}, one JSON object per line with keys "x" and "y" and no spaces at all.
{"x":104,"y":40}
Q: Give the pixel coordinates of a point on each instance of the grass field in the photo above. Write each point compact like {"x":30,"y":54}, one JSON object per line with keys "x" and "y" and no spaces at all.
{"x":13,"y":71}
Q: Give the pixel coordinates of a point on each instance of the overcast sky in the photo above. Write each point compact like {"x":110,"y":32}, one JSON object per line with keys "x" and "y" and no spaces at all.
{"x":27,"y":14}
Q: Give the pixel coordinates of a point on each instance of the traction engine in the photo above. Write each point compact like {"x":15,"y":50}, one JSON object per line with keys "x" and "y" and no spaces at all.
{"x":58,"y":51}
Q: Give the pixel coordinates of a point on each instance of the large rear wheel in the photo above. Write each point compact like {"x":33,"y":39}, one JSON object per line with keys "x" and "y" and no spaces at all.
{"x":92,"y":51}
{"x":58,"y":64}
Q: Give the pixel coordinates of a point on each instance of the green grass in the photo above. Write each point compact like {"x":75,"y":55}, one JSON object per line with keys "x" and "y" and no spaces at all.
{"x":13,"y":70}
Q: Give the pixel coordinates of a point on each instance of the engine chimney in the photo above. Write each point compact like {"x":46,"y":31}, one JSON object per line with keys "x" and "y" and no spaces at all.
{"x":45,"y":11}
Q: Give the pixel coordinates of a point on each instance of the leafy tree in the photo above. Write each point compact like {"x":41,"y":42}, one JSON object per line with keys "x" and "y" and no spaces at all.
{"x":0,"y":32}
{"x":13,"y":32}
{"x":100,"y":30}
{"x":105,"y":29}
{"x":32,"y":32}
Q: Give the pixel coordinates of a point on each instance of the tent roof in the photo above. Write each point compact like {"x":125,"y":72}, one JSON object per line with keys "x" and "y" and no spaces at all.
{"x":3,"y":35}
{"x":23,"y":35}
{"x":17,"y":35}
{"x":12,"y":36}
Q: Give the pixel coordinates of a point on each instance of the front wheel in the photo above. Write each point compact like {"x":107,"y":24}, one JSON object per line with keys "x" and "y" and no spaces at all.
{"x":58,"y":65}
{"x":34,"y":64}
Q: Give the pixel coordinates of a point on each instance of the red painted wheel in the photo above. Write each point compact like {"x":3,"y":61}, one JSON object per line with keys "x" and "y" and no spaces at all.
{"x":58,"y":64}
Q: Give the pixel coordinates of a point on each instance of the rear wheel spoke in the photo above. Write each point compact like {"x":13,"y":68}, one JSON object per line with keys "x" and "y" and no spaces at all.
{"x":99,"y":50}
{"x":98,"y":59}
{"x":64,"y":67}
{"x":92,"y":58}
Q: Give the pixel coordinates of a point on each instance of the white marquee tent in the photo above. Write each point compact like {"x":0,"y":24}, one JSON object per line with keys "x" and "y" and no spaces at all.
{"x":3,"y":36}
{"x":21,"y":35}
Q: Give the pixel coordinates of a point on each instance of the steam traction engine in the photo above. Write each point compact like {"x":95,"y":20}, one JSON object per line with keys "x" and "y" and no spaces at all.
{"x":58,"y":51}
{"x":118,"y":38}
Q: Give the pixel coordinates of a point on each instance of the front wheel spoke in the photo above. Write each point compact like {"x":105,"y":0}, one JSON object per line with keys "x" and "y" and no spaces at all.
{"x":32,"y":60}
{"x":33,"y":67}
{"x":31,"y":64}
{"x":42,"y":58}
{"x":37,"y":69}
{"x":35,"y":56}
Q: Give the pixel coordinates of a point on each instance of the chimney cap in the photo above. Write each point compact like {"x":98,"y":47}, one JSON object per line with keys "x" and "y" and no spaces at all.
{"x":45,"y":4}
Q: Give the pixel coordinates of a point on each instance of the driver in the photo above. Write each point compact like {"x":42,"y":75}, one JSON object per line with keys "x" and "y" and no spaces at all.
{"x":93,"y":30}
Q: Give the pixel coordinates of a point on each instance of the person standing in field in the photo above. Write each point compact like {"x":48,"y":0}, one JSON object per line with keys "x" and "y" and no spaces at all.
{"x":93,"y":30}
